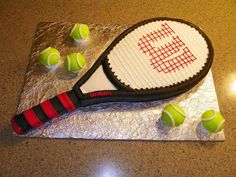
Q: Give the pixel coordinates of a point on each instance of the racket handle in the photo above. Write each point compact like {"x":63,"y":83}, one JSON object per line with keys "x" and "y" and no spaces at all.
{"x":45,"y":111}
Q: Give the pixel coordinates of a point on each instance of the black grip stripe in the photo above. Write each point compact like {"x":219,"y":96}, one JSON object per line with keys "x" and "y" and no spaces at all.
{"x":57,"y":105}
{"x":40,"y":113}
{"x":22,"y":122}
{"x":73,"y":98}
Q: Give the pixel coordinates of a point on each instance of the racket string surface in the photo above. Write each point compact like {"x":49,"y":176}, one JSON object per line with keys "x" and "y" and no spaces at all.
{"x":174,"y":51}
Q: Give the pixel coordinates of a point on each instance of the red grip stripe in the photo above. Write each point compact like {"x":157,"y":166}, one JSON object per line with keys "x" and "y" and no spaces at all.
{"x":49,"y":110}
{"x":32,"y":118}
{"x":66,"y":102}
{"x":16,"y":128}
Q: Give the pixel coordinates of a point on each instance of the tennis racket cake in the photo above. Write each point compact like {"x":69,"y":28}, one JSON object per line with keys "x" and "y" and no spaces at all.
{"x":154,"y":59}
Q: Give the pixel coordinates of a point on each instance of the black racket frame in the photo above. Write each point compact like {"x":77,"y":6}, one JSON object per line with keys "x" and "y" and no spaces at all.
{"x":125,"y":93}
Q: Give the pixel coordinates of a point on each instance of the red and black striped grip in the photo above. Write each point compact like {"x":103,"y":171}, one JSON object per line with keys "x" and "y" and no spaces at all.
{"x":45,"y":111}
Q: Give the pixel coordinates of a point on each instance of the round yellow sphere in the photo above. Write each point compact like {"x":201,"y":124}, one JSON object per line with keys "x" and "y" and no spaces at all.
{"x":74,"y":62}
{"x":80,"y":32}
{"x":49,"y":57}
{"x":173,"y":115}
{"x":213,"y":121}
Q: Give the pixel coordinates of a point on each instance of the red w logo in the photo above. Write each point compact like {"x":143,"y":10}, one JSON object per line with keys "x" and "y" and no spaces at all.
{"x":161,"y":58}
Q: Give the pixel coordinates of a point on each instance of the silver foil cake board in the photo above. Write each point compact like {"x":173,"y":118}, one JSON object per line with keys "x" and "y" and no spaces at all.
{"x":116,"y":121}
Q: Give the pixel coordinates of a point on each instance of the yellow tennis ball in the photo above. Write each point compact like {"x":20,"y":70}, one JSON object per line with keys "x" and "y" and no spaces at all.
{"x":74,"y":62}
{"x":49,"y":57}
{"x":173,"y":115}
{"x":213,"y":121}
{"x":79,"y":32}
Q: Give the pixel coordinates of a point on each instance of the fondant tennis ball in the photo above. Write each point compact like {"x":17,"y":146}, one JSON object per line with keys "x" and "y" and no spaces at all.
{"x":79,"y":32}
{"x":74,"y":62}
{"x":173,"y":115}
{"x":213,"y":121}
{"x":49,"y":57}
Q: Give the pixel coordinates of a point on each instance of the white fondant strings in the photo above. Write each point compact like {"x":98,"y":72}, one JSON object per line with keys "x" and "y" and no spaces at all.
{"x":136,"y":68}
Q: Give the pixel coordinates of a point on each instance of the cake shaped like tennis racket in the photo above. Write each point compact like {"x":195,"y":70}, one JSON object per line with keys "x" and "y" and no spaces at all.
{"x":154,"y":59}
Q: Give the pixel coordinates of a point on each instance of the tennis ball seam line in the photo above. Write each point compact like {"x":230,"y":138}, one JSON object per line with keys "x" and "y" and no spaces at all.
{"x":73,"y":29}
{"x":209,"y":118}
{"x":45,"y":50}
{"x":170,"y":117}
{"x":49,"y":58}
{"x":177,"y":110}
{"x":78,"y":31}
{"x":219,"y":126}
{"x":81,"y":32}
{"x":77,"y":60}
{"x":68,"y":62}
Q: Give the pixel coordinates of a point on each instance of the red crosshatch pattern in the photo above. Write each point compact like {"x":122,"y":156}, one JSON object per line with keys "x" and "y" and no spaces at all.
{"x":175,"y":63}
{"x":160,"y":57}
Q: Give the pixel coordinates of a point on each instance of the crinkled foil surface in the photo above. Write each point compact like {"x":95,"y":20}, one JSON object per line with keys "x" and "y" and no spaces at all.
{"x":123,"y":121}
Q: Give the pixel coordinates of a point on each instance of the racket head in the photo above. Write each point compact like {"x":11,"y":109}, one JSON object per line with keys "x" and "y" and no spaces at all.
{"x":152,"y":92}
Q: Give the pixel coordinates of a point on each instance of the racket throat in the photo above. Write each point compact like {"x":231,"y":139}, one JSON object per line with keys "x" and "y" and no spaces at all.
{"x":97,"y":82}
